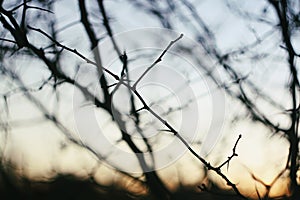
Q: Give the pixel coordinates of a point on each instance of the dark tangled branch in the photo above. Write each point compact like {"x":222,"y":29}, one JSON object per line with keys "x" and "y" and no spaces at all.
{"x":146,"y":107}
{"x":74,"y":51}
{"x":18,"y":33}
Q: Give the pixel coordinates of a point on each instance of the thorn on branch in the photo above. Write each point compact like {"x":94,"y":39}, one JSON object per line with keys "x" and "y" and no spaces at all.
{"x":208,"y":166}
{"x":114,"y":84}
{"x":138,"y":110}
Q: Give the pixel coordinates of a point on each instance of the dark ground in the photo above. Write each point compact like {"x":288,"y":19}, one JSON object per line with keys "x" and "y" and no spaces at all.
{"x":68,"y":187}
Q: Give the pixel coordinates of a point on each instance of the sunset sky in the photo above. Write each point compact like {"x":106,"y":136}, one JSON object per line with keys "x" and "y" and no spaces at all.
{"x":40,"y":150}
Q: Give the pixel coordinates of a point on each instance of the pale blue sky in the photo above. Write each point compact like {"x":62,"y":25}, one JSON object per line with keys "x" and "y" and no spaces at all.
{"x":230,"y":30}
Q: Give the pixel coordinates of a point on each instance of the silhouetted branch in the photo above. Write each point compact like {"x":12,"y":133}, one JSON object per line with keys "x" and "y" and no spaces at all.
{"x":232,"y":155}
{"x":282,"y":11}
{"x":87,"y":25}
{"x":155,"y":184}
{"x":207,"y":39}
{"x":19,"y":6}
{"x":159,"y":59}
{"x":146,"y":107}
{"x":73,"y":51}
{"x":108,"y":28}
{"x":8,"y":40}
{"x":269,"y":186}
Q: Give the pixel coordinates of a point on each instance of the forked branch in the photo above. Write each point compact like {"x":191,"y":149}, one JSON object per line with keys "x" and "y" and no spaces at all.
{"x":169,"y":127}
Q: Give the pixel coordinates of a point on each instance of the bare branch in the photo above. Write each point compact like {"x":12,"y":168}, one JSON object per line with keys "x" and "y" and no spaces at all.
{"x":74,"y":51}
{"x":107,"y":27}
{"x":159,"y":59}
{"x":8,"y":40}
{"x":232,"y":155}
{"x":38,"y":8}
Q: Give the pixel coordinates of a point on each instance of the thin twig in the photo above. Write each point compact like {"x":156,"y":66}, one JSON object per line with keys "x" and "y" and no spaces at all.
{"x":74,"y":51}
{"x":18,"y":6}
{"x":41,"y":9}
{"x":159,"y":59}
{"x":8,"y":40}
{"x":232,"y":155}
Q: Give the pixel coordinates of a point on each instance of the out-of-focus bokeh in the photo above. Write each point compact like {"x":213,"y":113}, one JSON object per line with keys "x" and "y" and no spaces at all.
{"x":68,"y":124}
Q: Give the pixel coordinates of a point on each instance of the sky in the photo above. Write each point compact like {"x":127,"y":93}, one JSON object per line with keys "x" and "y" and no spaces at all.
{"x":208,"y":118}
